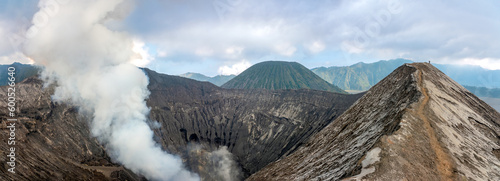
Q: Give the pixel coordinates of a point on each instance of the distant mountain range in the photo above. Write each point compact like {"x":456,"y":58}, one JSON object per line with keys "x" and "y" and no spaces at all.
{"x":362,"y":76}
{"x":276,"y":75}
{"x":22,"y":71}
{"x":490,"y":96}
{"x":483,"y":91}
{"x":216,"y":80}
{"x":471,"y":75}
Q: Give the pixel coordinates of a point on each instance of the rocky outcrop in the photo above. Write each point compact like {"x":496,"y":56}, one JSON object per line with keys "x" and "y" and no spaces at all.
{"x":256,"y":126}
{"x":416,"y":124}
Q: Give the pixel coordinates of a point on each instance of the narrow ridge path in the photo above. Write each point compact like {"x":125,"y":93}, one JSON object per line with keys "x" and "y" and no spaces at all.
{"x":444,"y":164}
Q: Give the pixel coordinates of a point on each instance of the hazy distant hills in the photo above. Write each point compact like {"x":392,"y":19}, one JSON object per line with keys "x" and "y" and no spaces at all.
{"x":471,"y":75}
{"x":360,"y":76}
{"x":490,"y":96}
{"x":276,"y":75}
{"x":216,"y":80}
{"x":22,"y":71}
{"x":483,"y":91}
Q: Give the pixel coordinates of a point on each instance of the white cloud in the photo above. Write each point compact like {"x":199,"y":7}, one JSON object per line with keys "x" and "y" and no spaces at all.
{"x":261,"y":31}
{"x":5,"y":36}
{"x":439,"y":30}
{"x":285,"y":49}
{"x":161,"y":53}
{"x":16,"y":57}
{"x":142,"y":56}
{"x":226,"y":41}
{"x":487,"y":63}
{"x":234,"y":51}
{"x":204,"y":51}
{"x":234,"y":69}
{"x":316,"y":47}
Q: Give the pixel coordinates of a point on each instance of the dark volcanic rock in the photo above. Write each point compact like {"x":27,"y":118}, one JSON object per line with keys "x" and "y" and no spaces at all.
{"x":51,"y":139}
{"x":257,"y":126}
{"x":416,"y":124}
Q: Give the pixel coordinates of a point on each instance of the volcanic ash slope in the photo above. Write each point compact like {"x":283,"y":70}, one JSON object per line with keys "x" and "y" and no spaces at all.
{"x":416,"y":124}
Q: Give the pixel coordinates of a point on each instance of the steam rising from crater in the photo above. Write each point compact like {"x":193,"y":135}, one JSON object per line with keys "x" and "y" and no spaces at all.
{"x":91,"y":65}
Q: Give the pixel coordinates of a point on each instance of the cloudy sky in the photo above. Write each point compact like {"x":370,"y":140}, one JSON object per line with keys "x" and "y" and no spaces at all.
{"x":226,"y":36}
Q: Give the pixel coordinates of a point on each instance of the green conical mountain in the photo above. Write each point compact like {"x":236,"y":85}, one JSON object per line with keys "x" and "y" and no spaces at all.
{"x":276,"y":75}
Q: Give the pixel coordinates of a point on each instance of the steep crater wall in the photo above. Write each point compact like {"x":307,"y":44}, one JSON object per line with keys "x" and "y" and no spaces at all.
{"x":257,"y":126}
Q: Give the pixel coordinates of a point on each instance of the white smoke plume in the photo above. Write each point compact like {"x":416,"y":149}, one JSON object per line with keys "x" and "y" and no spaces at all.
{"x":214,"y":164}
{"x":91,"y":65}
{"x":226,"y":168}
